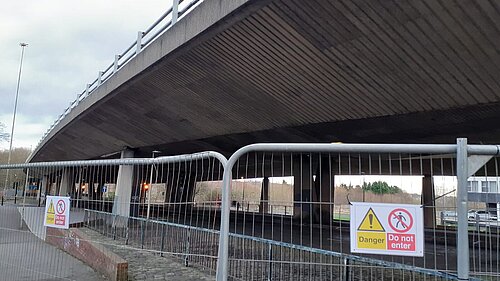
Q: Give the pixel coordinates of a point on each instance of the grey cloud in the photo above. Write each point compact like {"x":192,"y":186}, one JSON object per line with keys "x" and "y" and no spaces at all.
{"x":69,"y":43}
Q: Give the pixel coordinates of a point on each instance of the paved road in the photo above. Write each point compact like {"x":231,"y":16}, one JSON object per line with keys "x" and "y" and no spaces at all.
{"x":23,"y":256}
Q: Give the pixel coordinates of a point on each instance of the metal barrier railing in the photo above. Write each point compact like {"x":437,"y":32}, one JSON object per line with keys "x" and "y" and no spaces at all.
{"x":274,"y":260}
{"x":144,"y":38}
{"x":283,"y":210}
{"x":193,"y":245}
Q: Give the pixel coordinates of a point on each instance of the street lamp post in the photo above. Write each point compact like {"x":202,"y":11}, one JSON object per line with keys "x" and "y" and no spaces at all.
{"x":148,"y":193}
{"x":23,"y":45}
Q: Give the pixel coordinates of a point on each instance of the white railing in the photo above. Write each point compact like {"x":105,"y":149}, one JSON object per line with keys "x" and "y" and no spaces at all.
{"x":144,"y":38}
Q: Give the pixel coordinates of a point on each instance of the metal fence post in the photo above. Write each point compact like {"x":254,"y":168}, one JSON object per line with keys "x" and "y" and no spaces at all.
{"x":139,"y":42}
{"x":142,"y":234}
{"x":347,"y":269}
{"x":162,"y":244}
{"x":270,"y":258}
{"x":186,"y":258}
{"x":99,"y":78}
{"x":127,"y":235}
{"x":24,"y":197}
{"x":87,"y":90}
{"x":175,"y":11}
{"x":115,"y":63}
{"x":114,"y":226}
{"x":462,"y":219}
{"x":223,"y":255}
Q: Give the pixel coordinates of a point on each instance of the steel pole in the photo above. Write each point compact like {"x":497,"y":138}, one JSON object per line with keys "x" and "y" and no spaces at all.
{"x":23,"y":45}
{"x":223,"y":254}
{"x":26,"y":182}
{"x":462,"y":219}
{"x":148,"y":192}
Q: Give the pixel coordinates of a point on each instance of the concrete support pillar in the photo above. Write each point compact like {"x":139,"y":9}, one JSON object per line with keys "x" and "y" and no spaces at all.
{"x":428,"y":200}
{"x":177,"y":186}
{"x":302,"y":188}
{"x":264,"y":196}
{"x":186,"y":189}
{"x":78,"y":192}
{"x":45,"y":185}
{"x":124,"y":184}
{"x":65,"y":186}
{"x":192,"y":189}
{"x":323,"y":192}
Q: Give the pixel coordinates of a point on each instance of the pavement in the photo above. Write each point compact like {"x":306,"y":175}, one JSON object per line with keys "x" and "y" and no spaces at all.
{"x":23,"y":256}
{"x":145,"y":265}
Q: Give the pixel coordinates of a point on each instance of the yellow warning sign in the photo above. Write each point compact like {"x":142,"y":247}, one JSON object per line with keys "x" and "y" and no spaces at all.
{"x":371,"y":240}
{"x":51,"y":208}
{"x":371,"y":223}
{"x":50,"y":218}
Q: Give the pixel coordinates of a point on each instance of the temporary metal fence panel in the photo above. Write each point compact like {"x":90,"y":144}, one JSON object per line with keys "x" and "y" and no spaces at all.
{"x":483,"y":202}
{"x":286,"y":211}
{"x":146,"y":205}
{"x":282,"y":210}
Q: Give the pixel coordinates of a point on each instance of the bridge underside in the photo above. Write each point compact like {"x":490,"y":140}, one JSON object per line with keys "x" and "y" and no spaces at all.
{"x":305,"y":71}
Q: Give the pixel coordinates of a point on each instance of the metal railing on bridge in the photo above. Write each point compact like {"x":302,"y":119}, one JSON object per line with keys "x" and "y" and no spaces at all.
{"x":144,"y":38}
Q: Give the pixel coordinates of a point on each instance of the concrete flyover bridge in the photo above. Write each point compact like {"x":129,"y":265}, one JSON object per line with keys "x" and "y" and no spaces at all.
{"x":233,"y":72}
{"x":227,"y":73}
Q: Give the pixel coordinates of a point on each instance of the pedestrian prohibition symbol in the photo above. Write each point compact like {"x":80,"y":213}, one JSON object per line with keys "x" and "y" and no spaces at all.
{"x":390,"y":229}
{"x":400,"y":220}
{"x":57,"y":212}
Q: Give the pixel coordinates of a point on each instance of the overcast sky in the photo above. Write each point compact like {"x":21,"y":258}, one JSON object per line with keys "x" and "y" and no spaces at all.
{"x":69,"y":42}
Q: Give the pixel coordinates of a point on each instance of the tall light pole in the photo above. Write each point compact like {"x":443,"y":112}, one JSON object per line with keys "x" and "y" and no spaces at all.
{"x":148,"y":193}
{"x":23,"y":45}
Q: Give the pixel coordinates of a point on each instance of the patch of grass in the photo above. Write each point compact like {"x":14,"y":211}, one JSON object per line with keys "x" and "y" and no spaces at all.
{"x":341,"y":217}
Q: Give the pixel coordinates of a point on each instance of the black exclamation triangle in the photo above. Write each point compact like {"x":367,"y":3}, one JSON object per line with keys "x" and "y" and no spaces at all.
{"x":370,"y":217}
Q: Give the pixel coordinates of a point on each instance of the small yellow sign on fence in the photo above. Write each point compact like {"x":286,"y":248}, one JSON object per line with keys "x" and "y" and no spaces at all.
{"x":50,"y":216}
{"x":57,"y":212}
{"x":387,"y":229}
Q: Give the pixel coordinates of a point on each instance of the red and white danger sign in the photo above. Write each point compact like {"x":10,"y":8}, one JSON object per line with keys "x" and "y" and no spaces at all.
{"x":57,"y":212}
{"x":390,"y":229}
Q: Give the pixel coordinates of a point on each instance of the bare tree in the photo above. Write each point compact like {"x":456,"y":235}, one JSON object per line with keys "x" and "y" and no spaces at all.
{"x":19,"y":155}
{"x":3,"y":136}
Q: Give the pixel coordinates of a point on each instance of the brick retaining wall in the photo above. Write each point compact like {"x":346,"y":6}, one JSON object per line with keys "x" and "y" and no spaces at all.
{"x":97,"y":256}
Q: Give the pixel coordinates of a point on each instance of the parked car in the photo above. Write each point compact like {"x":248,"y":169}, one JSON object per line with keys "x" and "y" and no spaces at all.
{"x":449,"y":214}
{"x":482,"y":215}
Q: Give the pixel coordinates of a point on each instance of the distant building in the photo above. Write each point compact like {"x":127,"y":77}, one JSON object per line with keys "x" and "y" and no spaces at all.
{"x":485,"y":189}
{"x":483,"y":184}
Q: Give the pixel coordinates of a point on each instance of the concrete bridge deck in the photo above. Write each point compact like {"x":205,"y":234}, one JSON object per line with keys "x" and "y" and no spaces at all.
{"x":237,"y":72}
